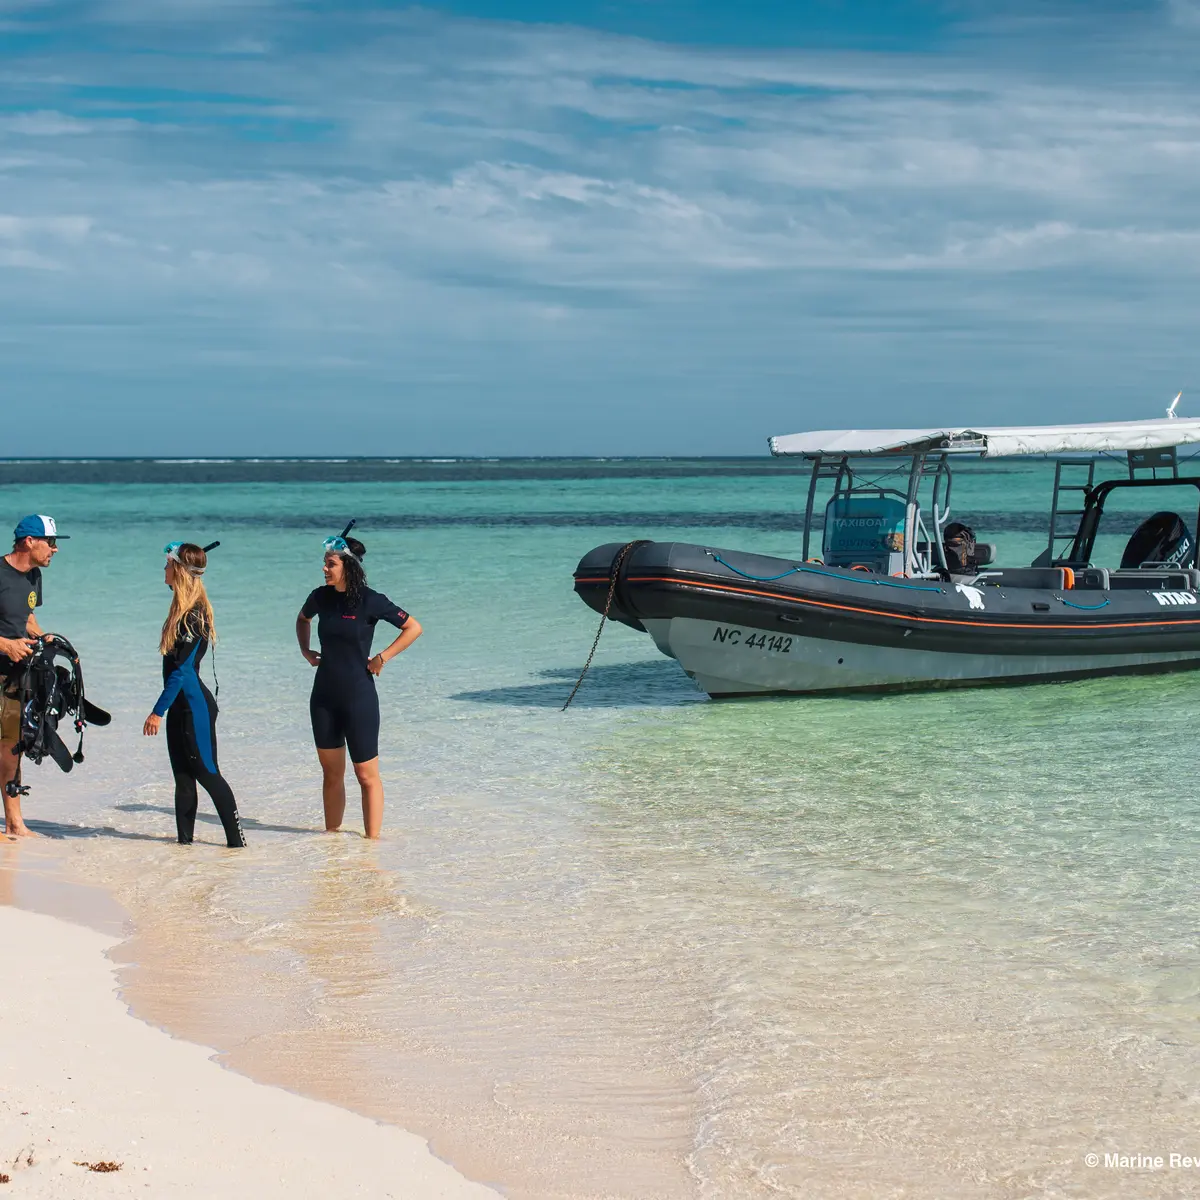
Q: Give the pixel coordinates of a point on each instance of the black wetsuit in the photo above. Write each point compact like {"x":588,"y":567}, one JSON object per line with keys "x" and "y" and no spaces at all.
{"x":191,"y":712}
{"x":344,"y":704}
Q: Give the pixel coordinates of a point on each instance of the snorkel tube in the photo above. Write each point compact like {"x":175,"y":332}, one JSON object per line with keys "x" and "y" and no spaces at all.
{"x":339,"y":545}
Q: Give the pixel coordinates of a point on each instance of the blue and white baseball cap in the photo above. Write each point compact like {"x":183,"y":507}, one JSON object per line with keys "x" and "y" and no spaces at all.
{"x":37,"y":526}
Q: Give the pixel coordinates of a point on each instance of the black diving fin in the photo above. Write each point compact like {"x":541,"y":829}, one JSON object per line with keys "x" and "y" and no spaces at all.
{"x":57,"y":749}
{"x":94,"y":715}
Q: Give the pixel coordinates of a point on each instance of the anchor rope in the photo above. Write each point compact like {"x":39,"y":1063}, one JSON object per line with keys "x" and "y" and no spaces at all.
{"x":613,"y":574}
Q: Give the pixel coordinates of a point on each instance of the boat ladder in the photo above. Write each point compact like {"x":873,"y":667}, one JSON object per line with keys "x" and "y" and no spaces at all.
{"x":1064,"y":522}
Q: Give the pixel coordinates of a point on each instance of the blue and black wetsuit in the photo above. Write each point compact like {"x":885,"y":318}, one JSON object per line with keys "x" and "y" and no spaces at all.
{"x":191,"y":712}
{"x":344,"y":704}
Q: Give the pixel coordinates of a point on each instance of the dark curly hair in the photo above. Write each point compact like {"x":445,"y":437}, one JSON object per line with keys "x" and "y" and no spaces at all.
{"x":356,"y":577}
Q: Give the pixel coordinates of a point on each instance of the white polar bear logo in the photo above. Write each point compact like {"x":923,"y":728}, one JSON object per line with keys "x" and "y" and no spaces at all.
{"x":973,"y":594}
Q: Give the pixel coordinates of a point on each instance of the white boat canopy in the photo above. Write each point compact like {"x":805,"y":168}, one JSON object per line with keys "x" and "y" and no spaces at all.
{"x":994,"y":442}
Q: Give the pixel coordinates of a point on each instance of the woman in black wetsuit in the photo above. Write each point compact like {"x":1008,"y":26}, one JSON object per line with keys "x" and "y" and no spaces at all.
{"x":344,"y":704}
{"x":190,"y":708}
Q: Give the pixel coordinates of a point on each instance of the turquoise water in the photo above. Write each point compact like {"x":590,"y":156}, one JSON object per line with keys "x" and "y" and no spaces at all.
{"x":925,"y":945}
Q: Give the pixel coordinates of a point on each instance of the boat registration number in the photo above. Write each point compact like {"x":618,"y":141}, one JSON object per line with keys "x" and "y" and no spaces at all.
{"x":780,"y":643}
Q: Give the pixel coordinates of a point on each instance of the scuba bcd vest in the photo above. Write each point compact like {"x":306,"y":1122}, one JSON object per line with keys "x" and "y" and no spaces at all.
{"x":48,"y":691}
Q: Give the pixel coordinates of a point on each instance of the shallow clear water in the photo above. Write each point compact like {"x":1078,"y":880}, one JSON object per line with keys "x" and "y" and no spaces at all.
{"x":926,"y":945}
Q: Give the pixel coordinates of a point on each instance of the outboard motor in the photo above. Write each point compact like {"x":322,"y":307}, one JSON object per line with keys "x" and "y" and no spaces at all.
{"x":958,"y":542}
{"x":1160,"y":539}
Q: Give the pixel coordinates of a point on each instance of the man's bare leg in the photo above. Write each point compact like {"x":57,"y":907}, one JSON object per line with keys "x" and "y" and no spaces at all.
{"x":14,"y":823}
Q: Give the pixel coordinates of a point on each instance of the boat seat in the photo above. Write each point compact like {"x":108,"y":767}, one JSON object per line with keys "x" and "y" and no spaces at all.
{"x":1166,"y":579}
{"x":1097,"y":579}
{"x":1051,"y":578}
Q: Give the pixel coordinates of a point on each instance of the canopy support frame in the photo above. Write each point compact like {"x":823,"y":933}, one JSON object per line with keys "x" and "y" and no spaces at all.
{"x":932,"y":562}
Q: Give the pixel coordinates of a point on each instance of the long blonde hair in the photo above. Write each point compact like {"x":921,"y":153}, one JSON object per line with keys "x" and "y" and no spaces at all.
{"x":187,"y":594}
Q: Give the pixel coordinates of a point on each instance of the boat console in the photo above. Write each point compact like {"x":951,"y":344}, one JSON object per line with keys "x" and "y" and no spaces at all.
{"x":864,"y":531}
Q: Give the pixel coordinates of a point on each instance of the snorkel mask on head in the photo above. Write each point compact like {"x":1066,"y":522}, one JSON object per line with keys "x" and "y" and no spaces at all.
{"x":171,"y":550}
{"x":339,"y":545}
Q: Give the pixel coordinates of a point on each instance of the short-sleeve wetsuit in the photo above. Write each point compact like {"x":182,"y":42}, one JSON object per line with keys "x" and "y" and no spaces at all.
{"x":191,"y":712}
{"x":344,"y":704}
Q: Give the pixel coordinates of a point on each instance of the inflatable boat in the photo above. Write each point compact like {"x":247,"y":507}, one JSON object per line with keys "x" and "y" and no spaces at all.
{"x":900,"y":596}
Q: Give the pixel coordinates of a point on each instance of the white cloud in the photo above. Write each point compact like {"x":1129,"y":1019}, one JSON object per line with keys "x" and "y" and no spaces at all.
{"x":428,"y":186}
{"x":1185,"y":13}
{"x":20,"y":258}
{"x":63,"y":229}
{"x":56,"y":124}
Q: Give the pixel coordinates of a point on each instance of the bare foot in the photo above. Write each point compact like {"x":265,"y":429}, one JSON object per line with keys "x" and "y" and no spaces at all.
{"x":21,"y":831}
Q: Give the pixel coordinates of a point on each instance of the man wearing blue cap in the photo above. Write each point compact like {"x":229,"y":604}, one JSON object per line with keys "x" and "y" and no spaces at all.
{"x":35,"y":543}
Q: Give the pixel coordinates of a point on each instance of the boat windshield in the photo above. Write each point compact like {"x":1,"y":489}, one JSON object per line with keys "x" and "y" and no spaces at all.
{"x":865,"y":529}
{"x":881,"y":515}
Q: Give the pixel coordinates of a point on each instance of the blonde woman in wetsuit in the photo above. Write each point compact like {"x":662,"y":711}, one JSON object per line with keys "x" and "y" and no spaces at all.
{"x":189,"y":707}
{"x":344,"y":705}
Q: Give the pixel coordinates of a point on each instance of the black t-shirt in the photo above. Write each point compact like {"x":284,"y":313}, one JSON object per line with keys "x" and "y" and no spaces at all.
{"x":346,"y":633}
{"x":20,"y":594}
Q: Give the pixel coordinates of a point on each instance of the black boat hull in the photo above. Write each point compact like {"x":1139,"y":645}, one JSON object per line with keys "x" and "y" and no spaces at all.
{"x":743,"y":624}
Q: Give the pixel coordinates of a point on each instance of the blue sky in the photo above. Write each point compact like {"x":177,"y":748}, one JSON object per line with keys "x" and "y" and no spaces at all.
{"x":637,"y":226}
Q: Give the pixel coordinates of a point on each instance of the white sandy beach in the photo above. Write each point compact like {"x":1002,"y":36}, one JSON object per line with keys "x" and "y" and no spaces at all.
{"x":83,"y":1081}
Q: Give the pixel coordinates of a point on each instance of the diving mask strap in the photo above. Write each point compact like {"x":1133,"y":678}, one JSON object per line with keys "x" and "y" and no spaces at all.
{"x":195,"y":572}
{"x":173,"y":555}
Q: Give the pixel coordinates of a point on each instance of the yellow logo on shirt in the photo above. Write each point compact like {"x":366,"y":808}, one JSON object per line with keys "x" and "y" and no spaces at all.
{"x":33,"y":600}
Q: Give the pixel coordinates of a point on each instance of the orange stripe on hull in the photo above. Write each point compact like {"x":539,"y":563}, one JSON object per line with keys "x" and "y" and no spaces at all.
{"x":876,"y":612}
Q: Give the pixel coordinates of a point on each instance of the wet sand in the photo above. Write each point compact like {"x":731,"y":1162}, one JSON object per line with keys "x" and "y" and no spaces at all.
{"x":93,"y":1100}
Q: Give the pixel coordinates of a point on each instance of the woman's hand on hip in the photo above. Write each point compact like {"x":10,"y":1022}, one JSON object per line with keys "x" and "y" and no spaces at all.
{"x":375,"y":664}
{"x":311,"y":657}
{"x":152,"y":725}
